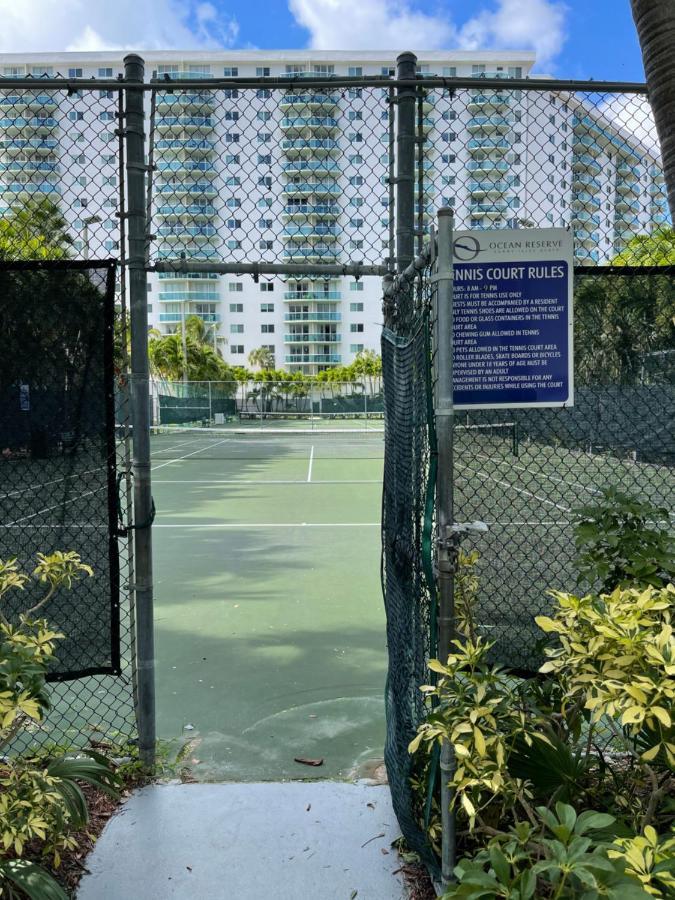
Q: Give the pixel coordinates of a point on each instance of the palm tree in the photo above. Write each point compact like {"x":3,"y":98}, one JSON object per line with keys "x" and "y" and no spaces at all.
{"x":261,"y":357}
{"x":655,"y":24}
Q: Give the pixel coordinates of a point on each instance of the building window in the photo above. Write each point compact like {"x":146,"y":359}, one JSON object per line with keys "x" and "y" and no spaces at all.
{"x":231,"y":159}
{"x":448,"y":179}
{"x":264,"y":223}
{"x":355,"y":115}
{"x":265,"y":203}
{"x":105,"y":72}
{"x":354,"y":137}
{"x":356,"y":223}
{"x":263,"y":93}
{"x":262,"y":71}
{"x":449,"y":115}
{"x":356,"y":307}
{"x":355,"y":71}
{"x":356,"y":327}
{"x":233,"y":181}
{"x":236,"y":307}
{"x":356,"y":180}
{"x":231,"y":116}
{"x":235,"y":287}
{"x":449,"y":71}
{"x":355,"y":93}
{"x":74,"y":73}
{"x":233,"y":202}
{"x":267,"y":286}
{"x":233,"y":223}
{"x":265,"y":181}
{"x":75,"y":115}
{"x":106,"y":117}
{"x":356,"y":286}
{"x":448,"y":158}
{"x":42,"y":71}
{"x":267,"y":328}
{"x":264,"y":159}
{"x":265,"y":245}
{"x":106,"y":95}
{"x":356,"y":201}
{"x":264,"y":137}
{"x":231,"y":71}
{"x":237,"y":349}
{"x":263,"y":115}
{"x":231,"y":137}
{"x":355,"y":348}
{"x":80,"y":158}
{"x":449,"y":137}
{"x":82,"y":180}
{"x":231,"y":93}
{"x":356,"y":245}
{"x":236,"y":328}
{"x":267,"y":307}
{"x":355,"y":159}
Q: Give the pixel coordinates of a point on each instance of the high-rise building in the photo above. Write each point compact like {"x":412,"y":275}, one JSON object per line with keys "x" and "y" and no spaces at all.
{"x":303,"y":177}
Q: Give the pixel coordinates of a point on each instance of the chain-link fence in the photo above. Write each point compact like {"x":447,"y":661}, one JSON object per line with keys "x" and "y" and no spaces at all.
{"x":317,"y":179}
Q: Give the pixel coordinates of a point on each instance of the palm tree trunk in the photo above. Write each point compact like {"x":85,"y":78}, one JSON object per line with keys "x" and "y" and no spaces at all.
{"x":655,"y":24}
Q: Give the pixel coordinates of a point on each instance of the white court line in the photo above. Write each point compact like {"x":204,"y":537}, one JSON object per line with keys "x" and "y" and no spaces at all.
{"x":555,"y":479}
{"x":311,"y":463}
{"x":262,"y":483}
{"x":42,"y":484}
{"x":275,"y":525}
{"x":58,"y":505}
{"x":180,"y":458}
{"x":507,"y":484}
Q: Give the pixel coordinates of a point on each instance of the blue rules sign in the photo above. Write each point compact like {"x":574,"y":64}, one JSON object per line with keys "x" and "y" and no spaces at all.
{"x":512,"y":318}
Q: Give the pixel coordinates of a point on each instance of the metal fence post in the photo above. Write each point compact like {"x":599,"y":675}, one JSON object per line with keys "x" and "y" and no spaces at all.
{"x":406,"y":70}
{"x":140,"y":384}
{"x":446,"y":549}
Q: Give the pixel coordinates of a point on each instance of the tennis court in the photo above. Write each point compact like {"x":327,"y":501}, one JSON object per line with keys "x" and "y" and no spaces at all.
{"x":270,"y":631}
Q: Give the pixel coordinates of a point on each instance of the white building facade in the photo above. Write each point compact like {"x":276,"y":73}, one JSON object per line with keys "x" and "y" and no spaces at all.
{"x":280,"y":176}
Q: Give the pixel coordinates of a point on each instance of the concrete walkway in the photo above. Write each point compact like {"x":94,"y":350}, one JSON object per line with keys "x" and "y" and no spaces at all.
{"x":321,"y":840}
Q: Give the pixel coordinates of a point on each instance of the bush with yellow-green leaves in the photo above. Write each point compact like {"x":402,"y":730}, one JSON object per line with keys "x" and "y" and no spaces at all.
{"x":563,"y":786}
{"x":40,"y":800}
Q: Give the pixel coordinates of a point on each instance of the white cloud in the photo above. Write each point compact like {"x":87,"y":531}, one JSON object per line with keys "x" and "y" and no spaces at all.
{"x":48,"y":26}
{"x":370,"y":25}
{"x":537,"y":25}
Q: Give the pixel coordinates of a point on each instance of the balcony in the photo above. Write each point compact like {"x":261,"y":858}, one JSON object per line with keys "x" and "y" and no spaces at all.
{"x":311,"y":101}
{"x":582,"y":162}
{"x":623,"y":234}
{"x":184,"y":100}
{"x":326,"y":124}
{"x":622,"y":204}
{"x":487,"y":165}
{"x":626,"y":219}
{"x":313,"y":317}
{"x":489,"y":75}
{"x":495,"y":144}
{"x":488,"y":209}
{"x":30,"y":188}
{"x":656,"y":190}
{"x":322,"y":166}
{"x":313,"y":146}
{"x":587,"y":237}
{"x":188,"y":276}
{"x":584,"y":255}
{"x":490,"y":123}
{"x":585,"y":144}
{"x":628,"y":186}
{"x":28,"y":101}
{"x":315,"y":296}
{"x":186,"y":165}
{"x":580,"y":181}
{"x":28,"y":168}
{"x":36,"y":124}
{"x":196,"y":211}
{"x":584,"y":200}
{"x":588,"y":125}
{"x":304,"y":210}
{"x":187,"y":188}
{"x":299,"y":358}
{"x":188,"y":296}
{"x":31,"y":145}
{"x":178,"y":317}
{"x":586,"y":218}
{"x":176,"y":252}
{"x":661,"y":219}
{"x":317,"y":253}
{"x":191,"y":144}
{"x":481,"y":188}
{"x":319,"y":188}
{"x":494,"y":100}
{"x":196,"y":232}
{"x":316,"y":230}
{"x":184,"y":123}
{"x":314,"y":338}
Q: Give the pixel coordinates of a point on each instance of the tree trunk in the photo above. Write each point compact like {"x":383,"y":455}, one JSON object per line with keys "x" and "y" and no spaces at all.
{"x":655,"y":24}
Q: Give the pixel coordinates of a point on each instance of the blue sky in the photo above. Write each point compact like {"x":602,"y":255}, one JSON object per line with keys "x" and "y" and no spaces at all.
{"x":573,"y":38}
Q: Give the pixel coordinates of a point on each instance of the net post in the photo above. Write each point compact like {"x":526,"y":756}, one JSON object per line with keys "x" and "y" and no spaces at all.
{"x":134,"y":70}
{"x":446,"y":551}
{"x":406,"y":70}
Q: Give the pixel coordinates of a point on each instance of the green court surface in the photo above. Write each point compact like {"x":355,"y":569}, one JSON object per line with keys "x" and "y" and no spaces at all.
{"x":270,"y":629}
